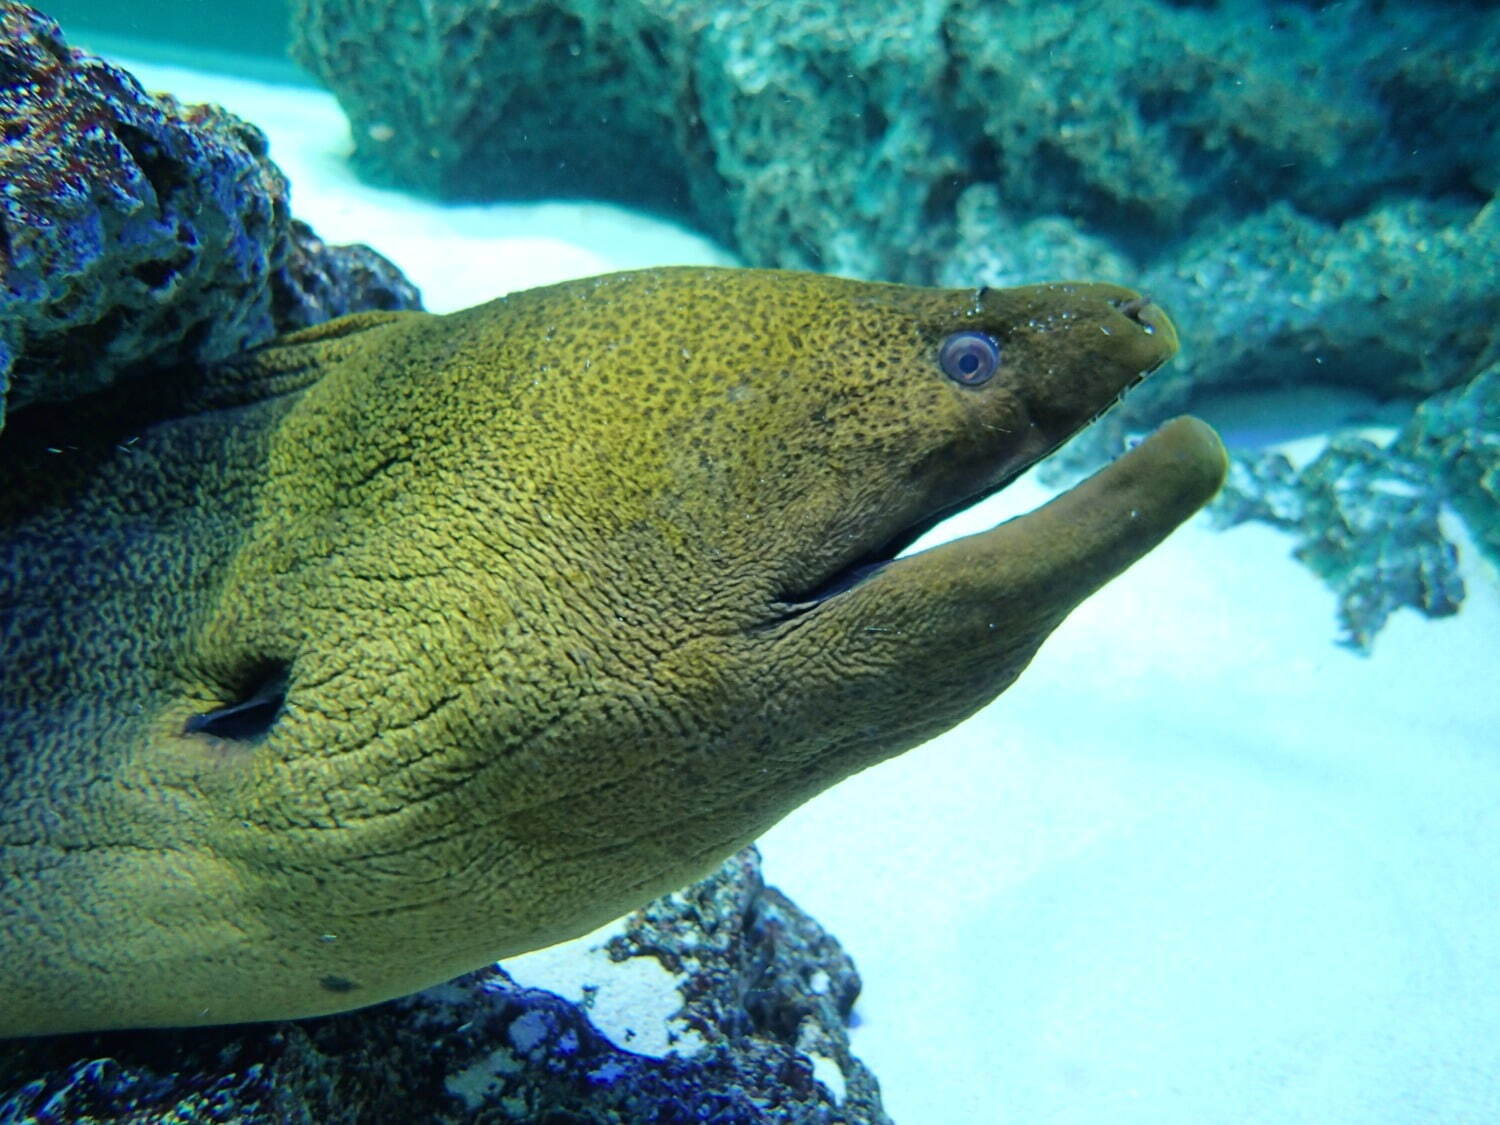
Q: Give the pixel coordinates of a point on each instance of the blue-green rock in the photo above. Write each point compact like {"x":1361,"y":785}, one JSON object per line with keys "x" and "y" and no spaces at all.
{"x":1366,"y":521}
{"x":841,"y":136}
{"x":137,"y":232}
{"x":1458,"y":435}
{"x":1401,"y":302}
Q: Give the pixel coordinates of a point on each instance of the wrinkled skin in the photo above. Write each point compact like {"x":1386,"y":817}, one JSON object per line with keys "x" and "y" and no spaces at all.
{"x":411,"y":641}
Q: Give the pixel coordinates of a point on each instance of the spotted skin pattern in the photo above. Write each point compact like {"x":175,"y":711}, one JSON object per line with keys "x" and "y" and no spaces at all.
{"x":410,"y":642}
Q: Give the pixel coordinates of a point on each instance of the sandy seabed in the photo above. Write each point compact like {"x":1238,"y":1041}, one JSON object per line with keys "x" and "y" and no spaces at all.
{"x":1199,"y":865}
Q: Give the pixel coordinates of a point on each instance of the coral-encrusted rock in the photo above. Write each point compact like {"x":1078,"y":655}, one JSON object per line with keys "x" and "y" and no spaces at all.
{"x":760,"y":994}
{"x":1458,"y":435}
{"x":1366,"y":518}
{"x":840,"y":136}
{"x":1401,"y":301}
{"x":136,"y":232}
{"x":317,"y":282}
{"x":765,"y":988}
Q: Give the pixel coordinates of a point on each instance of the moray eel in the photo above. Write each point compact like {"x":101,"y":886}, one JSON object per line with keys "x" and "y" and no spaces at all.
{"x":410,"y":642}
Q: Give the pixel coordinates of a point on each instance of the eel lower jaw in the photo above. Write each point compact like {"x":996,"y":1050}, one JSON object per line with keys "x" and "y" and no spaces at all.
{"x":1058,"y":553}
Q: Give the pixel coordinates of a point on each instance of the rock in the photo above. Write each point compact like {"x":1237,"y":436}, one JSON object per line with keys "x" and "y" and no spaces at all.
{"x":817,"y":134}
{"x":1400,"y":302}
{"x":1367,"y":516}
{"x":754,"y":997}
{"x":1263,"y":487}
{"x":995,"y":249}
{"x":136,"y":232}
{"x":1366,"y":520}
{"x":317,"y":282}
{"x":1458,"y":436}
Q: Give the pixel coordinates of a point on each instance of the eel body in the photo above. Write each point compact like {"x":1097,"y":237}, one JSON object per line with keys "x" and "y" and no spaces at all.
{"x":410,"y":642}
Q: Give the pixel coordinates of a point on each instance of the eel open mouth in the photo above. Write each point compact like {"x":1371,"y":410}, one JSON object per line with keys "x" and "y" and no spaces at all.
{"x":872,"y":562}
{"x":1117,"y":514}
{"x":851,"y":574}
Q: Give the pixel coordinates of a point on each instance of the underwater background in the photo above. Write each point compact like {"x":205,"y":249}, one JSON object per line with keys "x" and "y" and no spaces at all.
{"x":1228,"y":850}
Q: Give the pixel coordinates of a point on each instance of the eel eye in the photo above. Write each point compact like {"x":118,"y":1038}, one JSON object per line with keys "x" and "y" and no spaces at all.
{"x":970,"y":358}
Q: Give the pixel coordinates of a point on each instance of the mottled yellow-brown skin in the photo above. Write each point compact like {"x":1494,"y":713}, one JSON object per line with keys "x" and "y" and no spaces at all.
{"x":539,"y":577}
